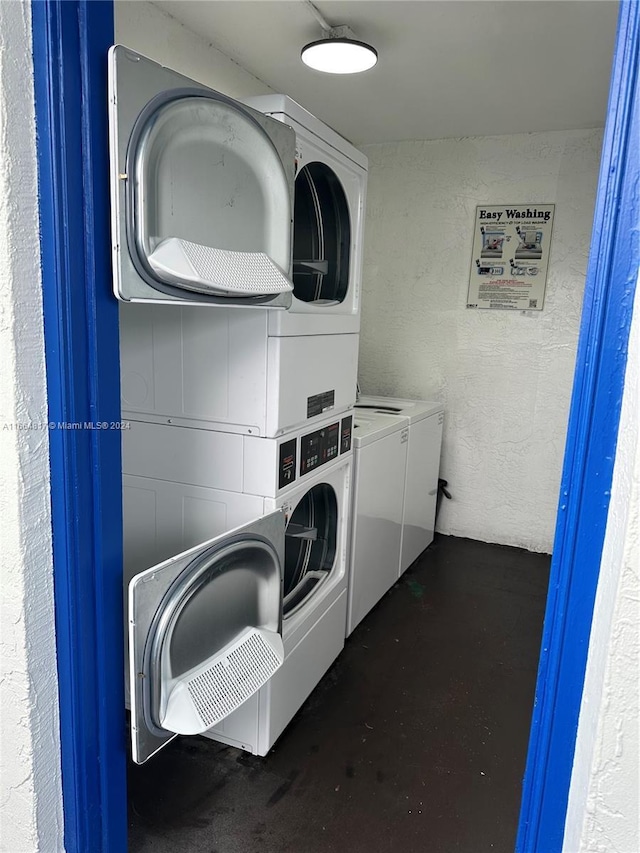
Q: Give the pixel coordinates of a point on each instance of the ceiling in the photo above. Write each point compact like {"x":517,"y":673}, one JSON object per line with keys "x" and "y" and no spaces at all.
{"x":447,"y":68}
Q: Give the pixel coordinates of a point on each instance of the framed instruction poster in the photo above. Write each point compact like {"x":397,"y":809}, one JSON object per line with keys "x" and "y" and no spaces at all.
{"x":510,"y":256}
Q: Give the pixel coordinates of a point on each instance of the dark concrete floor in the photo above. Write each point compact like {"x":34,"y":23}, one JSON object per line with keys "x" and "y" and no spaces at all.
{"x":414,"y":741}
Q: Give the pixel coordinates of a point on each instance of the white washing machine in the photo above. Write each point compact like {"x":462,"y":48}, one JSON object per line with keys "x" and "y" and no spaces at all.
{"x":328,"y":230}
{"x":421,"y":490}
{"x":183,"y":485}
{"x":380,"y":460}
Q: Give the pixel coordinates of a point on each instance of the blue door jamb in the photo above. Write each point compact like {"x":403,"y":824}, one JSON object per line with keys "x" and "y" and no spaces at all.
{"x":589,"y":455}
{"x":70,"y":42}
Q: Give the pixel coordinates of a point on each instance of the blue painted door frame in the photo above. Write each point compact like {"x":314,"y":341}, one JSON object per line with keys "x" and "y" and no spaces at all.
{"x":614,"y":260}
{"x":70,"y":41}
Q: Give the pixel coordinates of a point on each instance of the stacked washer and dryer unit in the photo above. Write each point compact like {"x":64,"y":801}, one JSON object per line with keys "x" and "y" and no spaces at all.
{"x":238,"y":367}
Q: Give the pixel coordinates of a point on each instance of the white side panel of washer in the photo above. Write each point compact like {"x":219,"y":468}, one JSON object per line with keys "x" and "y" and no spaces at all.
{"x":301,"y":368}
{"x":421,"y":490}
{"x":376,"y":542}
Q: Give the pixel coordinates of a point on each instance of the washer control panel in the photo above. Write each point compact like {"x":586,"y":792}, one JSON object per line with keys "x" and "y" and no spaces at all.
{"x":319,"y":447}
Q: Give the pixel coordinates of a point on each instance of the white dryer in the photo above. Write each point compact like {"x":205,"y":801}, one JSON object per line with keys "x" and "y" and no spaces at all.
{"x":202,"y":194}
{"x":328,"y":230}
{"x":182,"y":485}
{"x":380,"y":461}
{"x":425,"y":419}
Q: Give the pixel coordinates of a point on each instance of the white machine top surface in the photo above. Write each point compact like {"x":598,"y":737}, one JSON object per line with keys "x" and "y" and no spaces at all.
{"x":283,"y":105}
{"x":414,"y":410}
{"x":370,"y":426}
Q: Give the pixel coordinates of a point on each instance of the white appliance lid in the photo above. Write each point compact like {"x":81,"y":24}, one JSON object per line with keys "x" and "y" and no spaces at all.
{"x":371,"y":426}
{"x":414,"y":410}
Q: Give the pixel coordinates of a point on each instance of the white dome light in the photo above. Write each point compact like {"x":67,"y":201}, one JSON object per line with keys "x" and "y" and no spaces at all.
{"x":339,"y":56}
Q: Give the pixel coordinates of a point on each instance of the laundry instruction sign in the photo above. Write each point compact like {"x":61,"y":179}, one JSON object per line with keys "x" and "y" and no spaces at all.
{"x":510,"y":256}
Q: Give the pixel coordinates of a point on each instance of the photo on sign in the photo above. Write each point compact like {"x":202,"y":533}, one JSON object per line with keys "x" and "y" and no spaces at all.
{"x":510,"y":257}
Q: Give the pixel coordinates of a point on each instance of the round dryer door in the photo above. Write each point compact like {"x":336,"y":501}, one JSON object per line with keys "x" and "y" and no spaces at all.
{"x":310,"y":546}
{"x":202,"y":190}
{"x":321,"y":236}
{"x":204,"y":633}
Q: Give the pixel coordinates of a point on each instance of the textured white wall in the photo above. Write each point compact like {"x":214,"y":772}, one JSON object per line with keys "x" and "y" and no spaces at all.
{"x":504,"y":377}
{"x":30,"y":793}
{"x":153,"y":33}
{"x":603,"y":815}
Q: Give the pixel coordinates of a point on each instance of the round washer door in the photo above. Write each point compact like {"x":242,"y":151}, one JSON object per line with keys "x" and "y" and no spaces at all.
{"x":321,"y":236}
{"x":310,"y":546}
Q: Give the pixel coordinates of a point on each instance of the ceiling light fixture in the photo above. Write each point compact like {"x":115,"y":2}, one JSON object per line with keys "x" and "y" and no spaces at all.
{"x":339,"y":52}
